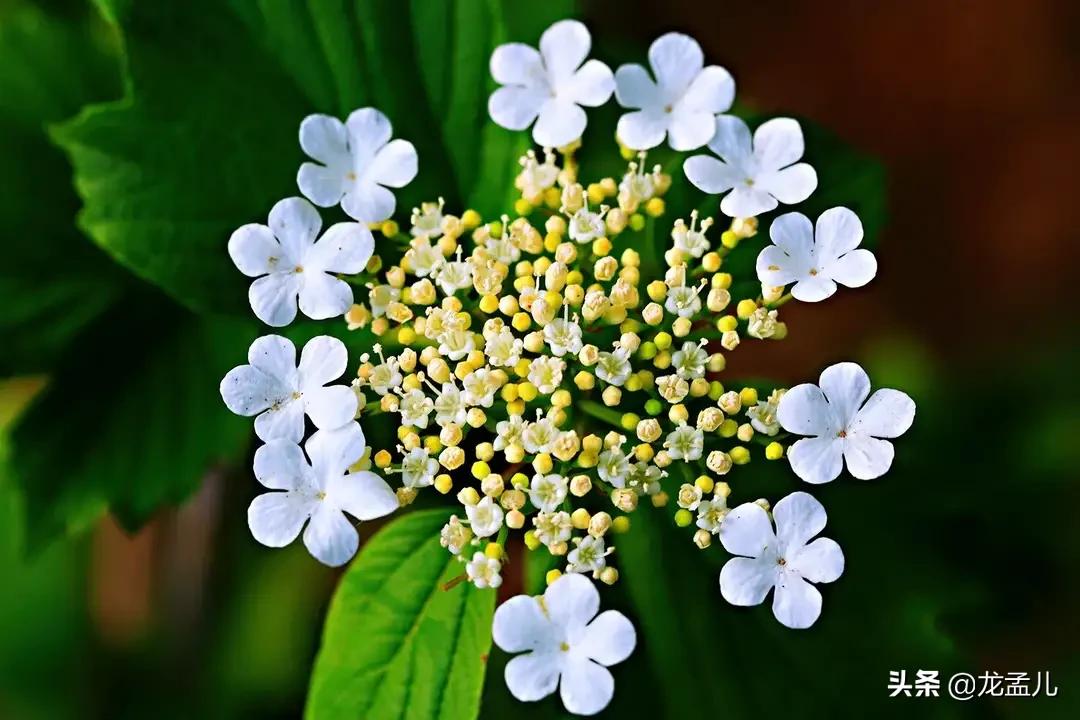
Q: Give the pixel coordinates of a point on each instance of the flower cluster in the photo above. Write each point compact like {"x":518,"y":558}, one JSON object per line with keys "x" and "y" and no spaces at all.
{"x":546,"y":368}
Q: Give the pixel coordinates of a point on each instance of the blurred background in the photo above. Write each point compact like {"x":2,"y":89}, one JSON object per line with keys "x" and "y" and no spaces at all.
{"x":964,"y":558}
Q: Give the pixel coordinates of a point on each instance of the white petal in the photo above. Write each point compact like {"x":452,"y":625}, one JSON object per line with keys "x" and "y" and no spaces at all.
{"x":820,"y":561}
{"x":635,"y":89}
{"x":609,"y":638}
{"x":803,"y":410}
{"x":296,"y":224}
{"x":364,"y":495}
{"x":790,"y":185}
{"x":394,"y":165}
{"x":585,"y":687}
{"x":324,"y":296}
{"x":796,"y":603}
{"x":572,"y":601}
{"x":713,"y":91}
{"x":368,"y":202}
{"x":330,"y":537}
{"x":732,"y":142}
{"x":710,"y":175}
{"x":838,"y":231}
{"x":514,"y":107}
{"x":817,"y":460}
{"x":854,"y":269}
{"x":798,"y":518}
{"x":516,"y":64}
{"x":368,"y":131}
{"x":564,"y":46}
{"x":746,"y":531}
{"x":591,"y":85}
{"x":532,"y":676}
{"x":778,"y":143}
{"x":286,"y":422}
{"x":275,"y":518}
{"x":846,"y":386}
{"x":643,"y":129}
{"x":324,"y":138}
{"x":323,"y":360}
{"x":676,"y":59}
{"x":254,"y":250}
{"x":321,"y":185}
{"x":520,"y":624}
{"x":868,"y":458}
{"x":330,"y":407}
{"x":746,"y":581}
{"x":344,"y":248}
{"x":813,"y":289}
{"x":775,"y":267}
{"x":559,"y":123}
{"x":747,"y":202}
{"x":333,"y":451}
{"x":887,"y":414}
{"x":690,"y":129}
{"x":280,"y":465}
{"x":794,"y":234}
{"x":248,"y":391}
{"x":275,"y":356}
{"x":273,"y":298}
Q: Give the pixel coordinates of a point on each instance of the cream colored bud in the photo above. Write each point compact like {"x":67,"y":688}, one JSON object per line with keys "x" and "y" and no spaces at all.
{"x":744,"y":227}
{"x":653,"y":314}
{"x":624,"y":499}
{"x":573,"y":198}
{"x":745,"y":433}
{"x":605,"y":268}
{"x":611,"y":396}
{"x":512,"y":499}
{"x":599,"y":524}
{"x":730,"y":340}
{"x":475,"y":417}
{"x":515,"y":520}
{"x":718,"y":299}
{"x":730,"y":402}
{"x":681,"y":327}
{"x":719,"y":462}
{"x":452,"y":458}
{"x":580,"y":485}
{"x":662,"y":459}
{"x":395,"y":277}
{"x":555,"y":276}
{"x":702,"y":538}
{"x":558,"y":548}
{"x":771,"y":294}
{"x":648,"y":430}
{"x":450,"y":435}
{"x":405,"y":495}
{"x":630,"y":342}
{"x":407,"y":360}
{"x":588,"y":355}
{"x":595,"y":304}
{"x":468,"y":496}
{"x":709,"y":419}
{"x":534,"y":341}
{"x":566,"y":253}
{"x":555,"y":225}
{"x":609,"y":575}
{"x":492,"y":485}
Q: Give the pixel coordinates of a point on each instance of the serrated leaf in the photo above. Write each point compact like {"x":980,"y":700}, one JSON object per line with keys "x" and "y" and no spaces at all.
{"x":131,"y":421}
{"x":396,"y":644}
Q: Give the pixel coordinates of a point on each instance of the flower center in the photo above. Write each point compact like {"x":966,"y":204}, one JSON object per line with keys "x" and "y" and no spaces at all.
{"x":842,"y":434}
{"x":668,"y":108}
{"x":298,"y":269}
{"x":350,"y":175}
{"x":321,"y":495}
{"x":781,"y":561}
{"x":564,"y":647}
{"x":749,"y":182}
{"x":813,"y":271}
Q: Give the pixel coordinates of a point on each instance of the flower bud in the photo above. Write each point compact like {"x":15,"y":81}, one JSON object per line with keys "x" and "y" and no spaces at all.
{"x":515,"y":519}
{"x":717,"y":299}
{"x":730,"y":340}
{"x":709,"y":419}
{"x":580,"y":485}
{"x":624,"y":499}
{"x":512,"y":499}
{"x":719,"y":462}
{"x":703,"y":539}
{"x":492,"y":485}
{"x":648,"y":430}
{"x":604,"y":269}
{"x":730,"y":402}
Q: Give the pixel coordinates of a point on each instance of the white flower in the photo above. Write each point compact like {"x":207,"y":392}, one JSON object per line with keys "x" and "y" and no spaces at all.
{"x":509,"y":432}
{"x":454,"y":536}
{"x":450,"y":406}
{"x":359,"y":161}
{"x":563,"y":336}
{"x":711,"y":514}
{"x":540,"y":436}
{"x":613,"y":467}
{"x":291,"y":264}
{"x":758,"y":174}
{"x":502,"y":348}
{"x":484,"y":571}
{"x":546,"y":374}
{"x":280,"y":392}
{"x":549,"y":86}
{"x":563,"y":639}
{"x":590,"y":556}
{"x":553,"y":527}
{"x":480,"y":387}
{"x":418,"y":468}
{"x":414,"y":408}
{"x":691,"y":240}
{"x":614,"y":367}
{"x":763,"y":414}
{"x":424,"y":258}
{"x":683,"y":300}
{"x":683,"y":102}
{"x":586,"y":225}
{"x":842,"y":426}
{"x":318,"y":491}
{"x":546,"y":492}
{"x":685,"y":443}
{"x":427,"y":220}
{"x":785,"y":559}
{"x":816,"y":259}
{"x":485,"y":517}
{"x":689,"y":362}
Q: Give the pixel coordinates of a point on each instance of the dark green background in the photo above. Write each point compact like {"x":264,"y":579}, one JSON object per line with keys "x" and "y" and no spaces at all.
{"x":962,"y":559}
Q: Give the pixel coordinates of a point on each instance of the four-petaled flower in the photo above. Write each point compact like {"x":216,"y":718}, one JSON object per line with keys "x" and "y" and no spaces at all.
{"x":758,"y":173}
{"x":816,"y":259}
{"x":841,"y":426}
{"x":359,"y":163}
{"x":784,"y":560}
{"x":682,"y":103}
{"x":549,"y":86}
{"x":565,"y":644}
{"x":280,"y":392}
{"x":290,"y":263}
{"x":320,"y":492}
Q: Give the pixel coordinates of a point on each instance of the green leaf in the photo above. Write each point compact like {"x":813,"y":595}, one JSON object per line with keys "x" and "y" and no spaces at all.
{"x":132,"y":421}
{"x":396,"y":643}
{"x":53,"y":280}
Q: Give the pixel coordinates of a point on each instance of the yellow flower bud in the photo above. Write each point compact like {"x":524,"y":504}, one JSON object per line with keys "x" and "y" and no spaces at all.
{"x":580,"y":518}
{"x":739,"y":455}
{"x":774,"y":451}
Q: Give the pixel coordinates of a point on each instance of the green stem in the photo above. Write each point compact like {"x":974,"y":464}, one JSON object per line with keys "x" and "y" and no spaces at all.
{"x":598,"y":411}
